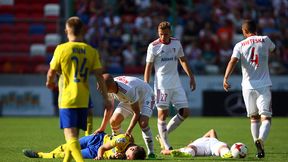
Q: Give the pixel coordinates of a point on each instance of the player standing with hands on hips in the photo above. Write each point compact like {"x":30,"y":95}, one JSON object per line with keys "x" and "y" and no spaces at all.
{"x":74,"y":61}
{"x":164,"y":54}
{"x":253,"y":52}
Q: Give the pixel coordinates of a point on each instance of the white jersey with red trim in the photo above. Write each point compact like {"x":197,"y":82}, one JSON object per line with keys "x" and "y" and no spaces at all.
{"x":165,"y":58}
{"x":131,"y":89}
{"x":253,"y":53}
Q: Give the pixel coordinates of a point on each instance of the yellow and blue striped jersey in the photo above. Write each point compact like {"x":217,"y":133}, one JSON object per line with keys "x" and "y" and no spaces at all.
{"x":74,"y":61}
{"x":119,"y":143}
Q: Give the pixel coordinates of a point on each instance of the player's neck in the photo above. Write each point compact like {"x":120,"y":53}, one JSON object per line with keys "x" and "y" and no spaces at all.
{"x":73,"y":38}
{"x":165,"y":42}
{"x":250,"y":35}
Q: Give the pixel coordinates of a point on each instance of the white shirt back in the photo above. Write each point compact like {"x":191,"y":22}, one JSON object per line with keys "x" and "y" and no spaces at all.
{"x":131,"y":89}
{"x":165,"y":58}
{"x":253,"y":52}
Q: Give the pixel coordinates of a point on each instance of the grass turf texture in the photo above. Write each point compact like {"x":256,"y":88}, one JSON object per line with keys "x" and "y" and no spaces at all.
{"x":43,"y":134}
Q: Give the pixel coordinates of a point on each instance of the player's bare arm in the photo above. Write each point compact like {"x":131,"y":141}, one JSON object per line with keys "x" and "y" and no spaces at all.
{"x":211,"y":133}
{"x":50,"y":83}
{"x":184,"y":63}
{"x":105,"y":147}
{"x":166,"y":152}
{"x":107,"y":115}
{"x":136,"y":109}
{"x":230,"y":67}
{"x":102,"y":86}
{"x":148,"y":71}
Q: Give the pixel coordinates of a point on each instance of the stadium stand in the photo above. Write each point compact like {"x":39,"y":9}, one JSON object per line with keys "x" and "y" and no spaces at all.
{"x":25,"y":28}
{"x":207,"y":37}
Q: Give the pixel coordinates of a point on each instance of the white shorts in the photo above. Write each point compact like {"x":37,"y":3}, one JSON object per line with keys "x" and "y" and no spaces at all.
{"x":176,"y":96}
{"x":258,"y":101}
{"x":207,"y":146}
{"x":146,"y":107}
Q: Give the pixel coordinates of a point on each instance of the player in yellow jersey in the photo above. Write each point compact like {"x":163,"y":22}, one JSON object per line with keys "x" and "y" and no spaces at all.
{"x":74,"y":61}
{"x":98,"y":146}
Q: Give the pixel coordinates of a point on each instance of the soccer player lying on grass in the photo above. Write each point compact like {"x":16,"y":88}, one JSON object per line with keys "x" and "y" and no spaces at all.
{"x":98,"y":146}
{"x":208,"y":145}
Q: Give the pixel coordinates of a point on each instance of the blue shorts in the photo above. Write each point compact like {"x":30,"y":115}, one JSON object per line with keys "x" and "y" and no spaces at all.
{"x":90,"y":145}
{"x":73,"y":118}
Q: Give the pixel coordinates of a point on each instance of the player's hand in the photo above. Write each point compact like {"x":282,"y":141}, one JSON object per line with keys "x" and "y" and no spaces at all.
{"x":119,"y":155}
{"x":130,"y":136}
{"x":98,"y":158}
{"x":50,"y":85}
{"x":226,"y":85}
{"x":192,"y":83}
{"x":165,"y":152}
{"x":99,"y":130}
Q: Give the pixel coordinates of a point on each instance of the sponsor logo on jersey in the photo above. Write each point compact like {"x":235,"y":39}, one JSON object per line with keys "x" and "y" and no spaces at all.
{"x":167,"y":59}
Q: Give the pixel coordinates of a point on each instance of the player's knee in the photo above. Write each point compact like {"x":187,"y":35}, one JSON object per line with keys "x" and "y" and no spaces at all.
{"x":113,"y":122}
{"x":265,"y":118}
{"x":255,"y":117}
{"x":143,"y":122}
{"x":184,"y":112}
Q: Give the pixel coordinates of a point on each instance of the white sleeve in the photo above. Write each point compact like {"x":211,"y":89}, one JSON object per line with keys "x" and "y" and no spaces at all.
{"x":236,"y":51}
{"x":180,"y":52}
{"x":271,"y":45}
{"x":150,"y":55}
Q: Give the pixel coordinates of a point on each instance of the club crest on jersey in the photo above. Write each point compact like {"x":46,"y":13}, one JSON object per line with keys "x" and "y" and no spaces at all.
{"x":121,"y":140}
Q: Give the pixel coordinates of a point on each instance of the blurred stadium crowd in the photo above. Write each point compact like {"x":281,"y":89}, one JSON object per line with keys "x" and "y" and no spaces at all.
{"x":208,"y":29}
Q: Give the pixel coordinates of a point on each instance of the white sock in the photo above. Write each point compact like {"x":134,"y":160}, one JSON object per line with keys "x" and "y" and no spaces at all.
{"x":187,"y":150}
{"x":264,"y":129}
{"x":162,"y":129}
{"x":255,"y":126}
{"x":174,"y":122}
{"x":148,"y":139}
{"x":223,"y":151}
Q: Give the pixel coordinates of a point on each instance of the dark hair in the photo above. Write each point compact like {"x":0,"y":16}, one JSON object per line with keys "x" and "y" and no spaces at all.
{"x":76,"y":25}
{"x":139,"y":153}
{"x":164,"y":25}
{"x":250,"y":26}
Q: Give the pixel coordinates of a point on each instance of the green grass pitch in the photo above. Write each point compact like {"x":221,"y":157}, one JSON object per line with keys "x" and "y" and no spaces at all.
{"x":43,"y":134}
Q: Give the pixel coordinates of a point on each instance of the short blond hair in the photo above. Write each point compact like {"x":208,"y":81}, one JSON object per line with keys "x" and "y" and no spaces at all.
{"x":164,"y":25}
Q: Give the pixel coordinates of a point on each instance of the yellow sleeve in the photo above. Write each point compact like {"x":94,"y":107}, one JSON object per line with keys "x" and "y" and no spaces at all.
{"x":97,"y":63}
{"x":55,"y":62}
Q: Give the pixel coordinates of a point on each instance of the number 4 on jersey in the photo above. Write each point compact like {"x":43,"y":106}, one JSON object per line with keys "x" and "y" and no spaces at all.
{"x":254,"y":57}
{"x":83,"y":71}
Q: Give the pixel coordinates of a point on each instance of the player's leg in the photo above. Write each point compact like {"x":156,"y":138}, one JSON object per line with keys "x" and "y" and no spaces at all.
{"x":249,"y":97}
{"x":73,"y":146}
{"x":180,"y":102}
{"x":265,"y":110}
{"x":147,"y":135}
{"x":162,"y":128}
{"x":71,"y":121}
{"x":163,"y":98}
{"x":90,"y":145}
{"x":221,"y":149}
{"x":89,"y":118}
{"x":147,"y":106}
{"x":120,"y":113}
{"x":188,"y":151}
